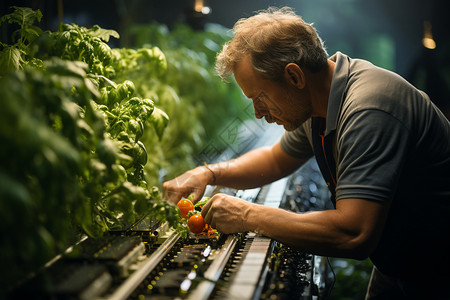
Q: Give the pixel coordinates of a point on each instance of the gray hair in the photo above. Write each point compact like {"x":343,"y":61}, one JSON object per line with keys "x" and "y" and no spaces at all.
{"x":273,"y":38}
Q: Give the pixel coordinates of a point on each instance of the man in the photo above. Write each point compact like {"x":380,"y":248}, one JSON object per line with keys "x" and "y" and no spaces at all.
{"x":382,"y":146}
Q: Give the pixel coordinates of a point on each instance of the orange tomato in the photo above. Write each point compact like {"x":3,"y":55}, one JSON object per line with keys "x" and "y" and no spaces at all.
{"x":196,"y":224}
{"x":185,"y":205}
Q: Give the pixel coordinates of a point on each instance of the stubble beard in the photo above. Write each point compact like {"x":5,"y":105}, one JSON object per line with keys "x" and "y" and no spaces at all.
{"x":303,"y":113}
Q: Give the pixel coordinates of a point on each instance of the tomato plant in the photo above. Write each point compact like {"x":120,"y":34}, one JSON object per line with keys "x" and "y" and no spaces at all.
{"x":85,"y":134}
{"x":72,"y":158}
{"x":196,"y":223}
{"x":16,"y":56}
{"x":185,"y":206}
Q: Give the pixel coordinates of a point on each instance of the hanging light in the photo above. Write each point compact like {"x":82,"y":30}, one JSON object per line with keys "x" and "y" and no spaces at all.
{"x":198,"y":6}
{"x":427,"y":40}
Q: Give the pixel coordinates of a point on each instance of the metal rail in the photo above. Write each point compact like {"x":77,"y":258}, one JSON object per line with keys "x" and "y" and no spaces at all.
{"x":212,"y":274}
{"x":132,"y":282}
{"x":247,"y":280}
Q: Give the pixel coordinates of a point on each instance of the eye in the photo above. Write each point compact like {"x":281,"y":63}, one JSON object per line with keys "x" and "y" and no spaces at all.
{"x":264,"y":101}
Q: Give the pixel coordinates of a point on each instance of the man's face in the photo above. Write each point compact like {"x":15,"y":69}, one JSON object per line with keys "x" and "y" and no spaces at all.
{"x":276,"y":102}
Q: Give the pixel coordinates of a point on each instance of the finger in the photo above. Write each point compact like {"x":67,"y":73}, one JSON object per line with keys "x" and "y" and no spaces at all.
{"x":207,"y":207}
{"x":213,"y":223}
{"x":165,"y":185}
{"x":208,"y":215}
{"x":211,"y":219}
{"x":197,"y":194}
{"x":172,"y":196}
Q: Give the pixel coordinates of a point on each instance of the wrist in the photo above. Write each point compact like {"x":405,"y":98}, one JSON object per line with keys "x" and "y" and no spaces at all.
{"x":212,"y":176}
{"x":250,"y":218}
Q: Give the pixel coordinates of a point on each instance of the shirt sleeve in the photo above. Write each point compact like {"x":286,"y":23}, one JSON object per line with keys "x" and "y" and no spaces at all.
{"x":371,"y":152}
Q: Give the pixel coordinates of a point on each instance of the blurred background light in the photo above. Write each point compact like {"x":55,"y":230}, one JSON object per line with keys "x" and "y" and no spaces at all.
{"x":428,"y":41}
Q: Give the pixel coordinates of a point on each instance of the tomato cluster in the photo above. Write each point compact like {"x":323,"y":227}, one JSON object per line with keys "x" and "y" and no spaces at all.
{"x":195,"y":222}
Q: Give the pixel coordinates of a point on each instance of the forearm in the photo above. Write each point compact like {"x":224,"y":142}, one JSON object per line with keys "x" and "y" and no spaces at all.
{"x":327,"y":233}
{"x":301,"y":231}
{"x":255,"y":168}
{"x":247,"y":171}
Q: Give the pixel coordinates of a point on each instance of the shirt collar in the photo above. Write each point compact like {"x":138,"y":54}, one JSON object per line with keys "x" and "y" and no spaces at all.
{"x":337,"y":90}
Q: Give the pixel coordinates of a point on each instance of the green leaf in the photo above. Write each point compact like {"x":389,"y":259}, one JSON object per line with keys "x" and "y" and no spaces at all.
{"x":10,"y":59}
{"x":104,"y":34}
{"x":159,"y":120}
{"x":67,"y":68}
{"x":23,"y":16}
{"x":31,"y":33}
{"x":16,"y":204}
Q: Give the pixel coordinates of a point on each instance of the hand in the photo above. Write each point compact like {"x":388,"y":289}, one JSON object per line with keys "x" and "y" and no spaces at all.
{"x":227,"y":214}
{"x":191,"y":182}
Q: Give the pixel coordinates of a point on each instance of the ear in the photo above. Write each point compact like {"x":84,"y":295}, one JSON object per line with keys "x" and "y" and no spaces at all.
{"x":294,"y":75}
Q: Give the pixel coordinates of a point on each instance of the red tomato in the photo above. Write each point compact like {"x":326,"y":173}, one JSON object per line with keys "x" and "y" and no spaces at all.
{"x":196,"y":224}
{"x":185,"y":205}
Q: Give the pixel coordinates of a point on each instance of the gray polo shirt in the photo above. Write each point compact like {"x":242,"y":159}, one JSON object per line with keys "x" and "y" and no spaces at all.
{"x":390,"y":143}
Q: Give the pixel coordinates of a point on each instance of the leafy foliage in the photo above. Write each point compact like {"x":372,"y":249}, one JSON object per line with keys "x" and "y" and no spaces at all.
{"x":46,"y":151}
{"x":199,"y":104}
{"x":72,"y":42}
{"x":14,"y":57}
{"x":86,"y":135}
{"x":352,"y":278}
{"x":73,"y":161}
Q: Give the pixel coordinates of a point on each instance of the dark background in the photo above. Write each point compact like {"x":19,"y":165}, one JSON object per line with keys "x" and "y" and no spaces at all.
{"x":386,"y":32}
